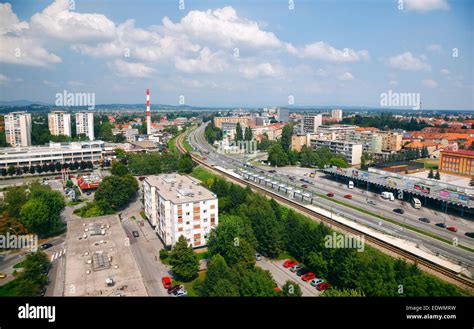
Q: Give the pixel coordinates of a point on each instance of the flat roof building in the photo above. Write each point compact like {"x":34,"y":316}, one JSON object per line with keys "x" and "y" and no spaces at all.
{"x":352,"y":152}
{"x":18,"y":129}
{"x":459,"y":162}
{"x":59,"y":123}
{"x":177,"y":205}
{"x":310,"y":123}
{"x":85,"y":124}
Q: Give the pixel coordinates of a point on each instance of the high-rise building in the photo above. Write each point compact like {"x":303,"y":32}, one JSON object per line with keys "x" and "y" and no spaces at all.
{"x":391,"y":141}
{"x":352,"y":152}
{"x":178,"y":205}
{"x":310,"y":123}
{"x":336,"y":114}
{"x":85,"y":124}
{"x":18,"y":129}
{"x":283,"y":114}
{"x":59,"y":123}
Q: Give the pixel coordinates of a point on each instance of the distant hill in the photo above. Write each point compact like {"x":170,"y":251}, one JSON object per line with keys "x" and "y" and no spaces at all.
{"x":21,"y":102}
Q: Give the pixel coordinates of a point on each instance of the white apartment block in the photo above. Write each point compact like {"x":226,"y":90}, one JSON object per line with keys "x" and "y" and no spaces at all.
{"x":18,"y":129}
{"x":310,"y":123}
{"x":59,"y":123}
{"x":85,"y":124}
{"x":177,"y":205}
{"x":352,"y":152}
{"x":336,"y":114}
{"x":371,"y":142}
{"x":336,"y":132}
{"x":55,"y":152}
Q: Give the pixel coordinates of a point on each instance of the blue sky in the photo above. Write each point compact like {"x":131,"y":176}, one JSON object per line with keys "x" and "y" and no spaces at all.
{"x":342,"y":52}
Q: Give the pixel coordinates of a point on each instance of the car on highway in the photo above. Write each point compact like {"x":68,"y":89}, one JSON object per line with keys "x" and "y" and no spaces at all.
{"x":399,"y":211}
{"x":296,"y":268}
{"x":302,"y":180}
{"x":289,"y":263}
{"x":302,"y":271}
{"x":469,"y":234}
{"x":167,"y":283}
{"x":330,"y":194}
{"x":258,"y":257}
{"x":424,"y":219}
{"x":452,"y":228}
{"x":348,"y":196}
{"x":323,"y":286}
{"x":316,"y":281}
{"x":135,"y":234}
{"x":372,"y":202}
{"x":441,"y":225}
{"x":308,"y":276}
{"x":304,"y":186}
{"x":46,"y":245}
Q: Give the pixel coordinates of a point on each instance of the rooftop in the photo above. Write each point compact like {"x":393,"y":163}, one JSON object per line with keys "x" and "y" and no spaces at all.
{"x":461,"y":152}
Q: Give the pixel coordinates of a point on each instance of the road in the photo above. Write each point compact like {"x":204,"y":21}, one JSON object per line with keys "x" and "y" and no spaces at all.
{"x":385,"y":208}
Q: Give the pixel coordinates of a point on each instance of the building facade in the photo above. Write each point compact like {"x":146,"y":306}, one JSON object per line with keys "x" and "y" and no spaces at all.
{"x":459,"y":162}
{"x":55,"y":152}
{"x":352,"y":152}
{"x":85,"y":124}
{"x":283,"y":114}
{"x":247,"y":121}
{"x":311,"y":123}
{"x":391,"y":141}
{"x":336,"y":114}
{"x":337,"y":132}
{"x":371,"y":143}
{"x":177,"y":205}
{"x":59,"y":123}
{"x":18,"y":129}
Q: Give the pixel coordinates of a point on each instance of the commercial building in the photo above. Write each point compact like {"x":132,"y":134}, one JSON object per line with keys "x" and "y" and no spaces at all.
{"x":59,"y":123}
{"x":352,"y":152}
{"x":283,"y":114}
{"x":55,"y":152}
{"x":247,"y":121}
{"x":18,"y":129}
{"x":391,"y":141}
{"x":310,"y":123}
{"x":85,"y":124}
{"x":177,"y":205}
{"x":457,"y":162}
{"x":336,"y":114}
{"x":371,"y":143}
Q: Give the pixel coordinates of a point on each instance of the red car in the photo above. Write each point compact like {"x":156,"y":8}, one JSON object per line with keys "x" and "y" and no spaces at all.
{"x":452,"y":228}
{"x":289,"y":263}
{"x":348,"y":196}
{"x":330,"y":194}
{"x":308,"y":276}
{"x":323,"y":286}
{"x":167,"y":282}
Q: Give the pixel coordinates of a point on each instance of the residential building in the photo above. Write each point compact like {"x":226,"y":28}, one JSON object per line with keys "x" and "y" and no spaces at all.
{"x":59,"y":123}
{"x":459,"y":162}
{"x":218,"y":121}
{"x":338,"y":132}
{"x":371,"y":143}
{"x":391,"y":141}
{"x":352,"y":152}
{"x":18,"y":129}
{"x":128,"y":133}
{"x":283,"y":114}
{"x":298,"y":141}
{"x":55,"y":152}
{"x":310,"y":123}
{"x":336,"y":114}
{"x":178,"y":205}
{"x":85,"y":124}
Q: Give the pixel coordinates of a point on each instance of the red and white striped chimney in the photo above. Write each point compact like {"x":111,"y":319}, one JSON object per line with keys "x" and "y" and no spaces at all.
{"x":148,"y":113}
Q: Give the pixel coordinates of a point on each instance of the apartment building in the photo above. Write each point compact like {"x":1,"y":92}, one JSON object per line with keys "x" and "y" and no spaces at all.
{"x":59,"y":123}
{"x":337,"y":132}
{"x":247,"y":121}
{"x":371,"y":143}
{"x":177,"y":205}
{"x":18,"y":129}
{"x":129,"y":133}
{"x":85,"y":124}
{"x":55,"y":152}
{"x":283,"y":114}
{"x":310,"y":123}
{"x":459,"y":162}
{"x":391,"y":141}
{"x":336,"y":114}
{"x":351,"y":151}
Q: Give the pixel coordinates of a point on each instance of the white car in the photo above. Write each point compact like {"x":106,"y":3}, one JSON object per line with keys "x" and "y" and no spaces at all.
{"x":180,"y":293}
{"x":316,"y":281}
{"x":258,"y":257}
{"x":296,"y":267}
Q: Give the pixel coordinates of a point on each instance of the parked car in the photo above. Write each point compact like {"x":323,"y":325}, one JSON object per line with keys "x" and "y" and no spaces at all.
{"x":348,"y":196}
{"x":452,"y":228}
{"x":316,"y":281}
{"x":166,"y":280}
{"x":442,"y":225}
{"x":302,"y":271}
{"x":304,"y":186}
{"x":330,"y":194}
{"x":46,"y":245}
{"x":424,"y":219}
{"x":296,"y":268}
{"x":3,"y":275}
{"x":135,"y":234}
{"x":323,"y":286}
{"x":89,"y":193}
{"x":308,"y":276}
{"x":175,"y":289}
{"x":179,"y":293}
{"x":289,"y":263}
{"x":302,"y":180}
{"x":399,"y":211}
{"x":469,"y":234}
{"x":258,"y":257}
{"x":272,"y":171}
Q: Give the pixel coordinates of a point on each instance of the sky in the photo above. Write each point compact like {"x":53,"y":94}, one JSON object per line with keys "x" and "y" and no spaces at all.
{"x":249,"y":53}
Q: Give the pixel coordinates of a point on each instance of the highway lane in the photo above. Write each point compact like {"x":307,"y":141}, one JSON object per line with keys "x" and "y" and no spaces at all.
{"x":197,"y":140}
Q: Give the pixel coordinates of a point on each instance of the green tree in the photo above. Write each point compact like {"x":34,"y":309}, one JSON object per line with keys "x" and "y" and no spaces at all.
{"x":333,"y":292}
{"x":116,"y":191}
{"x":219,"y":281}
{"x":277,"y":156}
{"x":430,"y":174}
{"x":120,"y":153}
{"x":437,"y":176}
{"x":15,"y":198}
{"x":291,"y":289}
{"x":183,"y":260}
{"x":238,"y":132}
{"x":119,"y":169}
{"x":256,"y":282}
{"x":185,"y":163}
{"x":248,"y":134}
{"x":317,"y":263}
{"x":11,"y":170}
{"x":285,"y":139}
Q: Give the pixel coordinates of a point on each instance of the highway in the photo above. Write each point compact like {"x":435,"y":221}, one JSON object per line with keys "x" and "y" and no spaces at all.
{"x":382,"y":207}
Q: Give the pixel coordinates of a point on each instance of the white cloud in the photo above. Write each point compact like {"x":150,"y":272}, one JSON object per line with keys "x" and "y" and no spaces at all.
{"x":346,"y":76}
{"x":3,"y":78}
{"x":324,"y":51}
{"x":206,"y":62}
{"x":436,"y":48}
{"x":266,"y":70}
{"x":9,"y":22}
{"x":408,"y":62}
{"x":429,"y":83}
{"x":445,"y":72}
{"x":425,"y":5}
{"x":133,"y":70}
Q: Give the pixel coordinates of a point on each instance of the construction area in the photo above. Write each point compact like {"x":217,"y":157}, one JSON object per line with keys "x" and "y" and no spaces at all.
{"x":99,"y":261}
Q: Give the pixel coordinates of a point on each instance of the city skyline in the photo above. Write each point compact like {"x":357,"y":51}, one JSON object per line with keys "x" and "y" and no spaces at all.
{"x":239,"y":53}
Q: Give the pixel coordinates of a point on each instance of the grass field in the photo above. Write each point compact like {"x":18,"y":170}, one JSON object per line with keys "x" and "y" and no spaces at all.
{"x":429,"y":163}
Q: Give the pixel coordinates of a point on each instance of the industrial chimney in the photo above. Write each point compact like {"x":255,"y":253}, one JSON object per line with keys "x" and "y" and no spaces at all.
{"x":148,"y":113}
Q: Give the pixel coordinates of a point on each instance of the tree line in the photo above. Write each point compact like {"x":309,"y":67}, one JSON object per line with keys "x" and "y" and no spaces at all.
{"x":50,"y":167}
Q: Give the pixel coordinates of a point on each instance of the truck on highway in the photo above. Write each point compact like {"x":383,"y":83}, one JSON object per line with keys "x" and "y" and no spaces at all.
{"x":416,"y":203}
{"x":388,"y":196}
